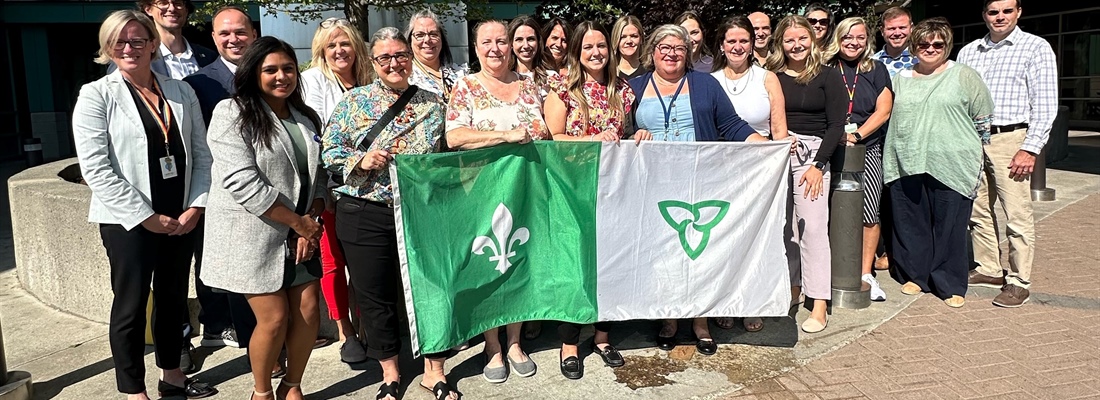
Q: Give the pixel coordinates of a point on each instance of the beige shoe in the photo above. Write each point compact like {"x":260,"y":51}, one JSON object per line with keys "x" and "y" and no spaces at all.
{"x":811,"y":325}
{"x":910,"y":288}
{"x":955,"y":301}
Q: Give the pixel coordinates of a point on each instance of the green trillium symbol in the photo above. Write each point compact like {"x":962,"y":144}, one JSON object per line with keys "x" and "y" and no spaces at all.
{"x":691,"y":223}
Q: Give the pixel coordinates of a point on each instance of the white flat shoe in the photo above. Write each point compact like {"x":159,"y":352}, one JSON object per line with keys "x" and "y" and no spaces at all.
{"x":811,"y":325}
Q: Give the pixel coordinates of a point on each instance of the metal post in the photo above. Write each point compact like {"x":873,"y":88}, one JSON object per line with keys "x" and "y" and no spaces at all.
{"x":3,"y":360}
{"x":1039,"y":189}
{"x":16,"y":385}
{"x":846,"y":228}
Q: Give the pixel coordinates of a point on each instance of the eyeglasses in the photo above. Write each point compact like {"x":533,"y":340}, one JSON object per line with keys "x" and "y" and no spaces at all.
{"x":850,"y":38}
{"x":818,"y":21}
{"x":136,"y":44}
{"x":331,"y":22}
{"x":994,"y":13}
{"x":422,"y":36}
{"x":665,"y":50}
{"x":934,"y":45}
{"x":384,"y":59}
{"x":163,"y":4}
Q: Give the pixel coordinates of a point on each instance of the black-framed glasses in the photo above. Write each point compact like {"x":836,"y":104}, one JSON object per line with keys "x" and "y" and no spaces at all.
{"x":136,"y":44}
{"x":665,"y":50}
{"x":818,"y":21}
{"x":385,"y":59}
{"x":934,"y":45}
{"x":422,"y":36}
{"x":994,"y":13}
{"x":331,"y":22}
{"x":163,"y":4}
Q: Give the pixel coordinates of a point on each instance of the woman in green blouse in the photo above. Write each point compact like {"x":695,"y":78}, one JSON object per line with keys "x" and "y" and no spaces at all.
{"x":932,"y":160}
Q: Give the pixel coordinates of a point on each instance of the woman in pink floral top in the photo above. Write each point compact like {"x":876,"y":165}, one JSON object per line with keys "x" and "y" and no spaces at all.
{"x":583,"y":105}
{"x":496,"y":106}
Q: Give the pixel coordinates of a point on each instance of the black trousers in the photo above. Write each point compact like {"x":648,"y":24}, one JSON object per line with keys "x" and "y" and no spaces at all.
{"x":570,"y":333}
{"x":220,"y":310}
{"x":929,"y":235}
{"x":139,"y":257}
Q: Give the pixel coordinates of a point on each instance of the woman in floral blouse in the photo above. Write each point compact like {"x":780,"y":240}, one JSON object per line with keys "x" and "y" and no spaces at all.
{"x":364,"y":206}
{"x":592,"y":103}
{"x":492,"y":107}
{"x":433,"y":69}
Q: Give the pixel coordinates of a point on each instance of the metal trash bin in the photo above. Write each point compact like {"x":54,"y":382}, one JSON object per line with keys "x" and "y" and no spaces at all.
{"x":846,"y":228}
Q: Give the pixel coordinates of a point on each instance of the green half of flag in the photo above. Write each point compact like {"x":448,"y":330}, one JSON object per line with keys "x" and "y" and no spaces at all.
{"x":495,"y":236}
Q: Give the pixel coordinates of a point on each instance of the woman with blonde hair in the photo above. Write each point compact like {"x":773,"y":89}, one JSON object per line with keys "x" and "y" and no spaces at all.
{"x":626,"y":38}
{"x":591,"y":104}
{"x":870,"y":99}
{"x":339,"y":64}
{"x":816,"y":106}
{"x":141,"y":143}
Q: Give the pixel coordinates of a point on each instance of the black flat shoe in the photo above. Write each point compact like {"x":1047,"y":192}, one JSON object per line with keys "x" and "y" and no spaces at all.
{"x":352,"y":352}
{"x":707,"y":347}
{"x":572,"y":367}
{"x":192,"y":389}
{"x":392,"y":389}
{"x":610,"y":355}
{"x":666,"y":343}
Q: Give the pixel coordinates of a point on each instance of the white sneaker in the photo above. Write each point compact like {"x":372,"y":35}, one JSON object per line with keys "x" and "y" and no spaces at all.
{"x":876,"y":292}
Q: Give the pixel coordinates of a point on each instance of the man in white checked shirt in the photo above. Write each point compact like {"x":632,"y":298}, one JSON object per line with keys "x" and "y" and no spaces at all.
{"x":1020,"y":70}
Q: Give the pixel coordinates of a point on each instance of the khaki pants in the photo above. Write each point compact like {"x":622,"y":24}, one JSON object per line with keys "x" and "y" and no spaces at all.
{"x":1016,"y":201}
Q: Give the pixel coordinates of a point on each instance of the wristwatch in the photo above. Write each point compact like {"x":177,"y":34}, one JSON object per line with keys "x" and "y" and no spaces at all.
{"x":819,"y":165}
{"x":858,"y":136}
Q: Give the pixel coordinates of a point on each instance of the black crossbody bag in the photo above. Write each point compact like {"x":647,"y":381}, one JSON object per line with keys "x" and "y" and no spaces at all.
{"x":382,"y":123}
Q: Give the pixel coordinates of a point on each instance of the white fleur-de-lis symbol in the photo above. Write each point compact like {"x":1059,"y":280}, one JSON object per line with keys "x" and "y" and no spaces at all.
{"x":504,"y":239}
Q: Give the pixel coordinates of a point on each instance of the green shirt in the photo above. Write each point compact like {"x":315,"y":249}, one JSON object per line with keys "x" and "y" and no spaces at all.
{"x":936,"y":127}
{"x":301,"y":157}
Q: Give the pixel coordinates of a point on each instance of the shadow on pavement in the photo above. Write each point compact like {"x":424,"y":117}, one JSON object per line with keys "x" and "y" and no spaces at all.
{"x":53,"y":387}
{"x":1084,"y":156}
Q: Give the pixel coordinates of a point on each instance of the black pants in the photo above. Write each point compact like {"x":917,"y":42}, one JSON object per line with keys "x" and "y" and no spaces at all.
{"x":570,"y":333}
{"x":929,"y":235}
{"x":219,"y":310}
{"x":139,"y":257}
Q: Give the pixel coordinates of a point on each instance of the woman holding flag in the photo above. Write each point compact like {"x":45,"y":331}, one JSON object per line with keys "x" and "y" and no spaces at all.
{"x":369,"y":126}
{"x":591,"y":104}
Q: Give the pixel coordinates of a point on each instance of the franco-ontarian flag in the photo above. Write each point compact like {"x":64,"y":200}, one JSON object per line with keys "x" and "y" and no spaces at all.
{"x":586,"y":232}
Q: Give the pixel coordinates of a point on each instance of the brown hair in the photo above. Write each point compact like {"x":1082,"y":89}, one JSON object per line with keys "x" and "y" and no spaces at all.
{"x":894,"y":12}
{"x":736,"y":21}
{"x":574,"y":78}
{"x":928,"y":30}
{"x":187,"y":4}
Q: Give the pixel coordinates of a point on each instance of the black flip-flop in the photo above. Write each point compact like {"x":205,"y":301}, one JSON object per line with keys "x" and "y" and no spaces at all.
{"x":392,"y":389}
{"x":441,"y":390}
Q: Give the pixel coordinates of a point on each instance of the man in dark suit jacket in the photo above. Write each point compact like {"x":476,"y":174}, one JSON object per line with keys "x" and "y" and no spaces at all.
{"x":227,"y":317}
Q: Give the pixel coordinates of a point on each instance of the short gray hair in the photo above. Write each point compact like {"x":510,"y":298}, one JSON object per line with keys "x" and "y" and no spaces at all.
{"x":112,"y":26}
{"x":387,"y":33}
{"x":660,"y":34}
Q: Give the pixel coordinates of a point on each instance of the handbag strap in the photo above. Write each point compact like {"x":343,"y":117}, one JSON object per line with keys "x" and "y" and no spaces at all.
{"x":387,"y":117}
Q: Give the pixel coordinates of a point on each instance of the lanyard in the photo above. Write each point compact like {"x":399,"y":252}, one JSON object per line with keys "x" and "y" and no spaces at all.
{"x":672,"y":102}
{"x":851,"y":89}
{"x":162,"y":114}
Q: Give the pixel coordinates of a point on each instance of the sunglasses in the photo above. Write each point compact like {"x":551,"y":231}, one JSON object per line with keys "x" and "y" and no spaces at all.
{"x":934,"y":45}
{"x":331,"y":22}
{"x":818,"y":21}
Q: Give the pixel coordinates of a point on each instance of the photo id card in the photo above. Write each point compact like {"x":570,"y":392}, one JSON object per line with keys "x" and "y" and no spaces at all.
{"x":850,"y":128}
{"x":168,"y":167}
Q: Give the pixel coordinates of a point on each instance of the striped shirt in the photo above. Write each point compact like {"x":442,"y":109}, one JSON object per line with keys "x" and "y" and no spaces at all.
{"x":1022,"y":76}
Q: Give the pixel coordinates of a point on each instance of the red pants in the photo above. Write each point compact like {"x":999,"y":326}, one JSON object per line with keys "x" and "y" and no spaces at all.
{"x":334,"y":281}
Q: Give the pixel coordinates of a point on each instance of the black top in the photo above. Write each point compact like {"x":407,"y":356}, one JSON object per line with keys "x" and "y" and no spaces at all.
{"x":627,"y":77}
{"x":167,"y":194}
{"x":817,"y":108}
{"x":868,"y":87}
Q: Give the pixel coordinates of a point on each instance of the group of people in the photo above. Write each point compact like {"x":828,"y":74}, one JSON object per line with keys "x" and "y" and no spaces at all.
{"x":277,"y":180}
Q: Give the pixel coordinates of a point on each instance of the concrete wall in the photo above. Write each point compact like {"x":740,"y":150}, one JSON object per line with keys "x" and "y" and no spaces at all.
{"x":59,"y":256}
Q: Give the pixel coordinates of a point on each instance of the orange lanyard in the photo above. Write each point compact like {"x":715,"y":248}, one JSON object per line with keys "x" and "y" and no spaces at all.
{"x":162,"y":114}
{"x":851,"y":89}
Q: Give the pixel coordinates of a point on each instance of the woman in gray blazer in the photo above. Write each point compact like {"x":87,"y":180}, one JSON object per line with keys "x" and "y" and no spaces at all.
{"x":141,"y":143}
{"x":266,"y":194}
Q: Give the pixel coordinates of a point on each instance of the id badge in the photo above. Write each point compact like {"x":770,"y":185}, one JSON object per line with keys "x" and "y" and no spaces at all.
{"x":168,"y":167}
{"x":850,"y":128}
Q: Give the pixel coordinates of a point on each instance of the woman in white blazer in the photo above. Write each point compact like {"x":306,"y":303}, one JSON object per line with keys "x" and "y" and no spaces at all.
{"x":339,"y":64}
{"x":266,"y":194}
{"x":141,"y":143}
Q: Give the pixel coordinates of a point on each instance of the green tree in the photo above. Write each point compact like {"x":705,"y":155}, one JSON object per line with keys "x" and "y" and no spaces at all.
{"x":355,"y":11}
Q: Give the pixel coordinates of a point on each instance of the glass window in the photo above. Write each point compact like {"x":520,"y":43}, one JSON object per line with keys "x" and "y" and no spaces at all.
{"x":1081,"y":54}
{"x":1083,"y":110}
{"x":1040,"y":25}
{"x":1079,"y":87}
{"x":1081,"y":21}
{"x":975,"y":32}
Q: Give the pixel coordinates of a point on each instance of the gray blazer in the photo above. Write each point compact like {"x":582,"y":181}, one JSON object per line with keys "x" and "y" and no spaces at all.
{"x":113,"y":151}
{"x":245,"y":252}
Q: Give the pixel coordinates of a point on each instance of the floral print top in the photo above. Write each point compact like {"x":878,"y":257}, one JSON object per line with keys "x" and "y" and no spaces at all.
{"x":451,"y":73}
{"x":601,"y":117}
{"x":416,"y":130}
{"x":472,"y":106}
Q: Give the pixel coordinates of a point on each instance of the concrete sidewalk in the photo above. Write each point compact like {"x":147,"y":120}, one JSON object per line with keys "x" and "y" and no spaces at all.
{"x":70,"y":359}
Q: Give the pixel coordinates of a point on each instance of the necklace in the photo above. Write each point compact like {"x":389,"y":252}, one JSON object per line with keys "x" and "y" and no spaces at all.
{"x":746,"y":77}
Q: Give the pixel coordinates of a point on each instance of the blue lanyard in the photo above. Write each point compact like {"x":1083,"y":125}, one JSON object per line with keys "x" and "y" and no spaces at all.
{"x":672,"y":102}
